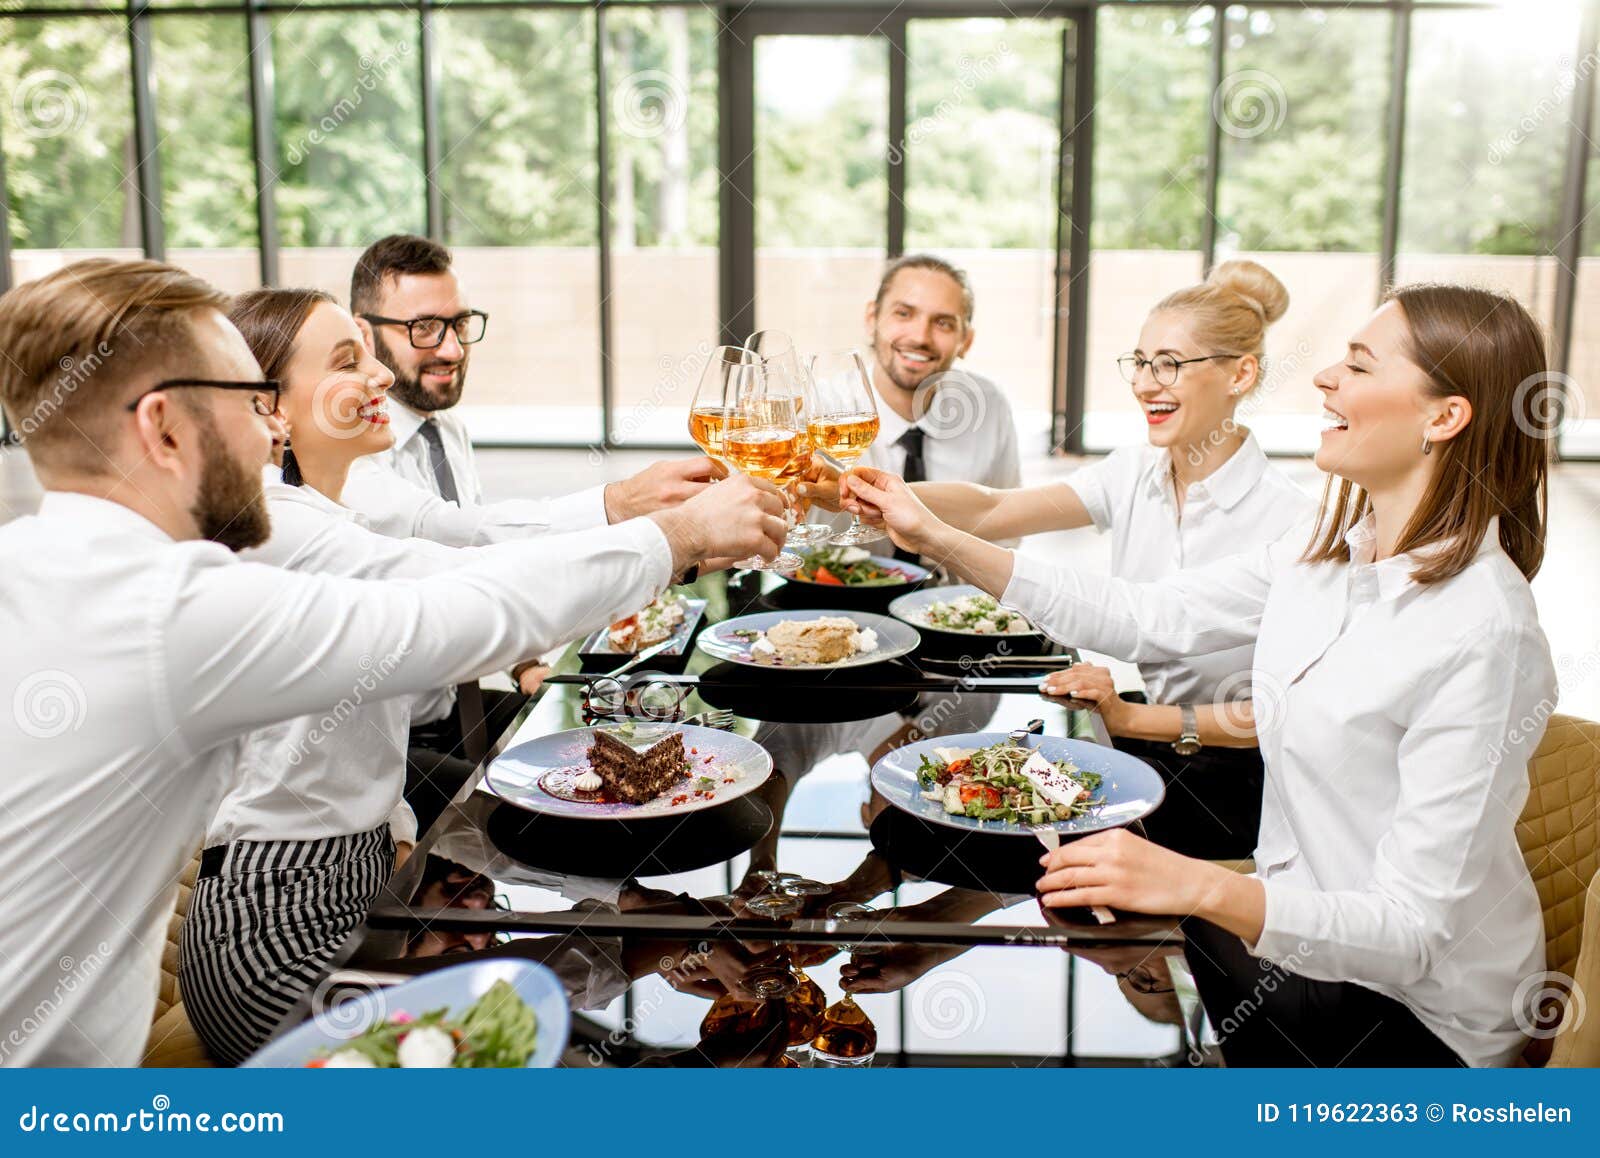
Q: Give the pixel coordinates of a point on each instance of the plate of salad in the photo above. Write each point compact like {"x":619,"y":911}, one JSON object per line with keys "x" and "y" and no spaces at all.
{"x":988,"y":782}
{"x":504,"y":1014}
{"x":854,"y":567}
{"x":960,"y":610}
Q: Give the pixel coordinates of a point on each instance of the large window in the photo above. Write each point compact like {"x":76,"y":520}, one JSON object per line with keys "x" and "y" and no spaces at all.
{"x":1302,"y":113}
{"x":616,"y":202}
{"x":1152,"y":96}
{"x":982,"y":161}
{"x":519,"y":185}
{"x":67,"y":127}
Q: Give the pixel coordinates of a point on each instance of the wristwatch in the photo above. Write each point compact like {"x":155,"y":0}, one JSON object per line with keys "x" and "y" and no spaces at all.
{"x":1188,"y":741}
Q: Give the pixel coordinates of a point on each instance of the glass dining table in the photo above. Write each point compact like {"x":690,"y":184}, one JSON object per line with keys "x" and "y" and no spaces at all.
{"x":806,"y":922}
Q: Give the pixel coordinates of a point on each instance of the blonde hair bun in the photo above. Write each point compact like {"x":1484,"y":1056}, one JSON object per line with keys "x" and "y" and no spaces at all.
{"x":1256,"y":284}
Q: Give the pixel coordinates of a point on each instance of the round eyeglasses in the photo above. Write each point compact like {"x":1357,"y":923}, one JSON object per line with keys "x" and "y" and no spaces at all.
{"x":1164,"y":368}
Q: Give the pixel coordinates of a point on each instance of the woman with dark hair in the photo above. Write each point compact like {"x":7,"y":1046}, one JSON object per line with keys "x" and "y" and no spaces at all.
{"x":313,"y":824}
{"x":1401,"y":685}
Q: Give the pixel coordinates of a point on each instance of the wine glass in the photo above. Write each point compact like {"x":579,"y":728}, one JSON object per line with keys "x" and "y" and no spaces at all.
{"x":774,"y":353}
{"x":730,"y":419}
{"x":846,"y":1036}
{"x":842,"y":419}
{"x":709,"y":408}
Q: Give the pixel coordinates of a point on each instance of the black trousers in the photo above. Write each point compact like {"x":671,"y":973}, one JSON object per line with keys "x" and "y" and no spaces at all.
{"x":1213,"y":805}
{"x":436,"y":763}
{"x":1264,"y":1015}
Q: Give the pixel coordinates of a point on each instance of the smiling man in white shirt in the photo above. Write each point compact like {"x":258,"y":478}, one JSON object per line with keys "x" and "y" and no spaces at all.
{"x":939,"y":422}
{"x":408,"y":299}
{"x":141,"y":648}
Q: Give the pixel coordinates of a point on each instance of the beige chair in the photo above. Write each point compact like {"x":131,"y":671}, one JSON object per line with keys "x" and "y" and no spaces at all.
{"x":173,"y":1041}
{"x":1560,"y":837}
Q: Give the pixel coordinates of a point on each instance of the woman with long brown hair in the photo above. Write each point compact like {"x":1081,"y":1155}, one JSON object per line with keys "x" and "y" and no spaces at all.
{"x":1401,"y":683}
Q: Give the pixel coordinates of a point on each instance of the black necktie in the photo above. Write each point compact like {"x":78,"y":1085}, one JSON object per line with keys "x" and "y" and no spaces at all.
{"x":442,"y":475}
{"x":915,"y":470}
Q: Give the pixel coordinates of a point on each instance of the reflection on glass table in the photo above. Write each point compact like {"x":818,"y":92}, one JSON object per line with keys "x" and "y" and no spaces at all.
{"x":810,"y":930}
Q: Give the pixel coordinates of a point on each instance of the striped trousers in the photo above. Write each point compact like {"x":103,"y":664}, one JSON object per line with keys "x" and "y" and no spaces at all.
{"x":261,"y":932}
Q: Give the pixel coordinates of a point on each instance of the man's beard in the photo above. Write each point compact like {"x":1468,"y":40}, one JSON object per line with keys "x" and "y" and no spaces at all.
{"x":408,"y":386}
{"x":231,"y":508}
{"x":883,"y":351}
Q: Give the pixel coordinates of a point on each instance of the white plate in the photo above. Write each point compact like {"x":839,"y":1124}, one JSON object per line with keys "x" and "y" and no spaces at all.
{"x":912,"y":607}
{"x":732,"y":763}
{"x":894,"y":638}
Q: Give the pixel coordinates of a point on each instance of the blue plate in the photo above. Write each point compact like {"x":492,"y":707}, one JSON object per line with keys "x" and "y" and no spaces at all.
{"x":455,"y":989}
{"x":1131,"y":787}
{"x":722,"y":640}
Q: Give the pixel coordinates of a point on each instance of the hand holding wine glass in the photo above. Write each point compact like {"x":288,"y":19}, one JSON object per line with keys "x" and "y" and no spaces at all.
{"x":736,"y":420}
{"x":842,"y":419}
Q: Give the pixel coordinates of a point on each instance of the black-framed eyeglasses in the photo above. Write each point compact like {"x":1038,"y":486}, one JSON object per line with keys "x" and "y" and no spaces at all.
{"x":428,"y":333}
{"x":266,"y":391}
{"x":1163,"y":367}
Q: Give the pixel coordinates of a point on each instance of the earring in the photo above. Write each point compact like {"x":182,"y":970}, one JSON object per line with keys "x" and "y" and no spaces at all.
{"x":1427,"y":447}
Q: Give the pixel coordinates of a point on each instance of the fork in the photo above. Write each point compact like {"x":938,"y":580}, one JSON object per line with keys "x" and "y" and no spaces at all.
{"x":1048,"y":834}
{"x":719,"y":718}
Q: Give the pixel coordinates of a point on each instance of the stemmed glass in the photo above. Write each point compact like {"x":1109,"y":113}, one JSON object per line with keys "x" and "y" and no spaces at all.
{"x":774,"y":353}
{"x":842,"y":419}
{"x":731,"y":419}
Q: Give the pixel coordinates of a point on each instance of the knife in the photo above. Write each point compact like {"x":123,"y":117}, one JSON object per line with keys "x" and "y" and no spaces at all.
{"x":648,"y":653}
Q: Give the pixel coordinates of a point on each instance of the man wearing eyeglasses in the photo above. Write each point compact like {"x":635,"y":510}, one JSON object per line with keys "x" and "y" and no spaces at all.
{"x":140,"y":648}
{"x":405,"y":294}
{"x":407,"y":298}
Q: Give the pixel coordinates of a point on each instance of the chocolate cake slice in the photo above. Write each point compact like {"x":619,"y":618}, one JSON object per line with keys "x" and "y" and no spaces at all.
{"x":637,"y":774}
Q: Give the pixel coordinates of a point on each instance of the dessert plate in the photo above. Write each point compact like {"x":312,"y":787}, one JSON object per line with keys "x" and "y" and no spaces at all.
{"x":538,"y":775}
{"x":732,"y":639}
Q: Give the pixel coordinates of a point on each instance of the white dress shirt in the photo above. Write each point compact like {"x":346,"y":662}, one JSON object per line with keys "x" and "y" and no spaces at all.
{"x":1396,"y":721}
{"x":970,"y":435}
{"x":133,"y":667}
{"x":1246,"y":502}
{"x":398,"y":494}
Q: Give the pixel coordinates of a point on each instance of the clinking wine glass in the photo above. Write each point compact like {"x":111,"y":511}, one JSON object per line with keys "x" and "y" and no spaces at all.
{"x":730,"y":420}
{"x":842,"y":419}
{"x":779,"y":365}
